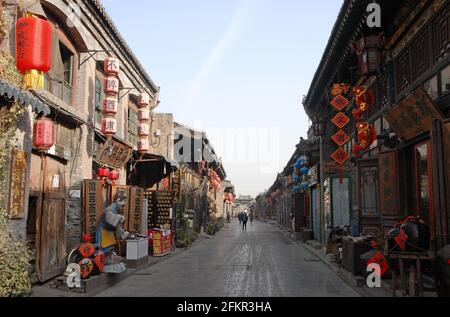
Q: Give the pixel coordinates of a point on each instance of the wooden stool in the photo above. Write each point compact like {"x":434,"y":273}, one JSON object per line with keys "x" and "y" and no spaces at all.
{"x":415,"y":272}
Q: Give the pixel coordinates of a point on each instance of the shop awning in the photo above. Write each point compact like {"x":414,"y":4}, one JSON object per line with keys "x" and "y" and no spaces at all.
{"x":151,"y":169}
{"x":23,"y":97}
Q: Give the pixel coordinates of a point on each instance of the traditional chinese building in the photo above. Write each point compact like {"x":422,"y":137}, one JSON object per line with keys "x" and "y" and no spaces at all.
{"x":90,"y":61}
{"x":384,"y":137}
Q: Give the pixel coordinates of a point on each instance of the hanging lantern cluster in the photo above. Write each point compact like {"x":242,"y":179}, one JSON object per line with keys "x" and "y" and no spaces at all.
{"x":367,"y":134}
{"x":110,"y":101}
{"x":104,"y":173}
{"x":363,"y":98}
{"x":144,"y":125}
{"x":34,"y":37}
{"x":300,"y":176}
{"x":44,"y":134}
{"x":215,"y":180}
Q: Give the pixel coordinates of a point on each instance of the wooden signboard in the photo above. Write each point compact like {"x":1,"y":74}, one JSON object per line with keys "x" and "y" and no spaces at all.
{"x":176,"y":186}
{"x":125,"y":211}
{"x":388,"y":183}
{"x":114,"y":154}
{"x":92,"y":205}
{"x":136,"y":197}
{"x":17,"y":184}
{"x":414,"y":115}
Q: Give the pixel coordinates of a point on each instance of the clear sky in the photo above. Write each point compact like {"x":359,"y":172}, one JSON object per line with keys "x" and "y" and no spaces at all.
{"x":235,"y":68}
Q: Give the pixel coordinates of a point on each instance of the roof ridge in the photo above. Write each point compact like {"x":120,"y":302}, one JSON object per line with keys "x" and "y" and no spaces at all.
{"x":129,"y":51}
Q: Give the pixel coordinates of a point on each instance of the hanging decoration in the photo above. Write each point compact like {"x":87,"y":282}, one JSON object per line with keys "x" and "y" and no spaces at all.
{"x":110,"y":102}
{"x":44,"y":134}
{"x":369,"y":54}
{"x":114,"y":176}
{"x":144,"y":126}
{"x":367,"y":134}
{"x":215,"y":180}
{"x":103,"y":173}
{"x":339,"y":101}
{"x":364,"y":99}
{"x":34,"y":37}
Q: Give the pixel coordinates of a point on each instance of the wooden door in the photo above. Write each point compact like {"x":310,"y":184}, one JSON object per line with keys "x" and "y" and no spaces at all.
{"x":52,"y":239}
{"x":50,"y":221}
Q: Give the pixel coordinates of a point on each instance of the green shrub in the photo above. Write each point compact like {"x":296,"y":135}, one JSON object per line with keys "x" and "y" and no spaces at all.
{"x":14,"y":262}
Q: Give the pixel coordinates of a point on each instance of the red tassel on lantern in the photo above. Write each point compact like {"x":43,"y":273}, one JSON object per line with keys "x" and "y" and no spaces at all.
{"x":34,"y":39}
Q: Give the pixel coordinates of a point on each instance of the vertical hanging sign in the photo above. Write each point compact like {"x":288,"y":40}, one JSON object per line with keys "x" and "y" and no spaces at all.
{"x":339,"y":101}
{"x":110,"y":102}
{"x":144,"y":127}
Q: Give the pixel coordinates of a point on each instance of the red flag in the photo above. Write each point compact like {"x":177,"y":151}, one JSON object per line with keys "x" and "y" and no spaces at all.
{"x":401,"y":240}
{"x":379,"y":259}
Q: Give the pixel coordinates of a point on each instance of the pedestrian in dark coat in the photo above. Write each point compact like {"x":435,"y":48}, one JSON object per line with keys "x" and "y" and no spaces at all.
{"x":240,"y":218}
{"x":244,"y":221}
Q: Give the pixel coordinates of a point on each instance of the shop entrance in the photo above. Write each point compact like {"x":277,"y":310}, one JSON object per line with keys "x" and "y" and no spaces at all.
{"x":424,"y":182}
{"x":47,"y":194}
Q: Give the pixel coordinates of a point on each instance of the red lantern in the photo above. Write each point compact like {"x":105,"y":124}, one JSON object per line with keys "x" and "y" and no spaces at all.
{"x":44,"y":134}
{"x":369,"y":54}
{"x":114,"y":175}
{"x":109,"y":126}
{"x":110,"y":105}
{"x":103,"y":172}
{"x":144,"y":114}
{"x":111,"y":86}
{"x":143,"y":129}
{"x":144,"y":100}
{"x":143,"y":145}
{"x":111,"y":66}
{"x":34,"y":39}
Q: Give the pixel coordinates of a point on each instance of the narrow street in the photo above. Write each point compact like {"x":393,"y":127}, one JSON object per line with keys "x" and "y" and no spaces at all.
{"x":261,"y":262}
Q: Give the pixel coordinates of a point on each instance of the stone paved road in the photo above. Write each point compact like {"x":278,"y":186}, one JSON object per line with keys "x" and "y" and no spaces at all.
{"x":261,"y":262}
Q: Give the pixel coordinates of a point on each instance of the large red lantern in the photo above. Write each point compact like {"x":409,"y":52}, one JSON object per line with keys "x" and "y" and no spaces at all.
{"x":44,"y":134}
{"x":34,"y":39}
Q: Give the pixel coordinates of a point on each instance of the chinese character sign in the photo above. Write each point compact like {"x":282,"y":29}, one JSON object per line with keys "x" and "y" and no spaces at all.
{"x":110,"y":102}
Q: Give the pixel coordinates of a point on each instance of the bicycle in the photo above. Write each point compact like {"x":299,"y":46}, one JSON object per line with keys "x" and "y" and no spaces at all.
{"x":335,"y":238}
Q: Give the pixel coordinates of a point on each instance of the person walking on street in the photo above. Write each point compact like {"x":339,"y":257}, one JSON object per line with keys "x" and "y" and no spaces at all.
{"x":240,"y":218}
{"x":244,"y":221}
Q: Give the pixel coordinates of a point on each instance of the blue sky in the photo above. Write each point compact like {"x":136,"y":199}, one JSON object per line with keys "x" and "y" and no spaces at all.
{"x":235,"y":68}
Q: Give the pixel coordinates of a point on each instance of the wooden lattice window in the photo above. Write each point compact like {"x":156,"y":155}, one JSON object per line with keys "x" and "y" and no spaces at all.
{"x":441,"y":34}
{"x":382,"y":92}
{"x":420,"y":54}
{"x":403,"y":70}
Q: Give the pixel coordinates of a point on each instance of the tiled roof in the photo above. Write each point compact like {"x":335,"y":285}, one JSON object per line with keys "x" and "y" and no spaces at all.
{"x":24,"y":97}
